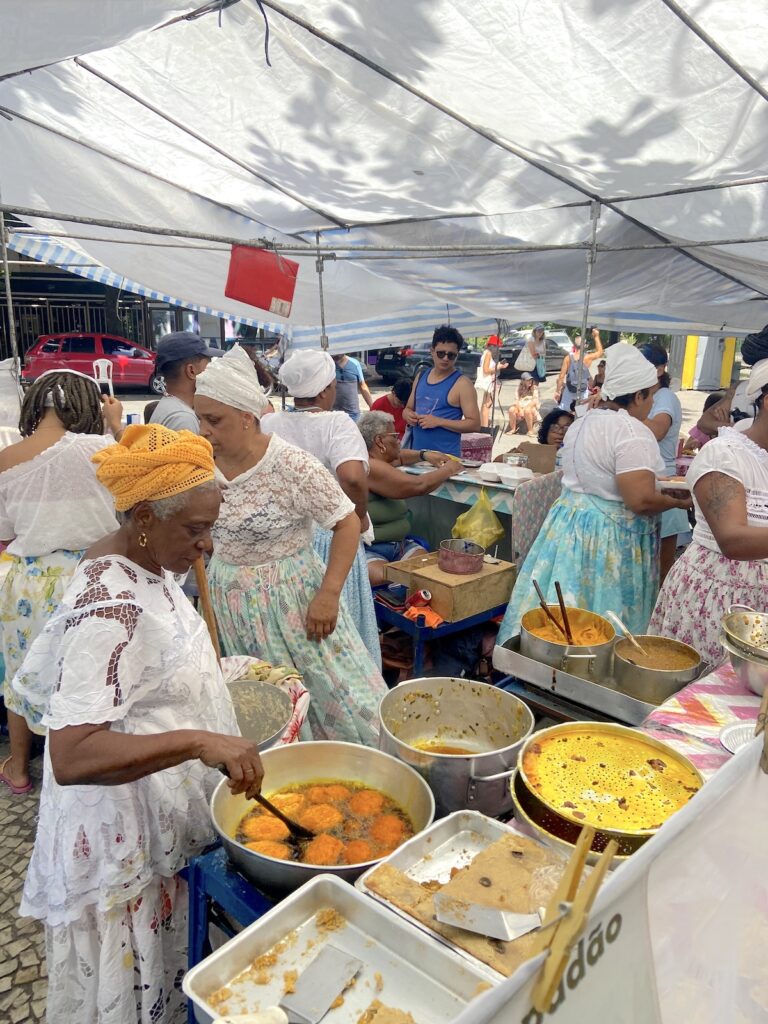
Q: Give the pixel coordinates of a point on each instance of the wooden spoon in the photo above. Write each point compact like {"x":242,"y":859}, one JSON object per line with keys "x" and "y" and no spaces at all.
{"x":566,"y":623}
{"x":545,"y":607}
{"x":296,"y":830}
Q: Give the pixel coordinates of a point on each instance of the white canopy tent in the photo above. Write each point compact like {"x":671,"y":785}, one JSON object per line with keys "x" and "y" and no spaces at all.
{"x":437,"y":153}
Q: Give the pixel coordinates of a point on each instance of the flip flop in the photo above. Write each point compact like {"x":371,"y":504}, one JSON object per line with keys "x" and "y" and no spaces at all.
{"x":16,"y":790}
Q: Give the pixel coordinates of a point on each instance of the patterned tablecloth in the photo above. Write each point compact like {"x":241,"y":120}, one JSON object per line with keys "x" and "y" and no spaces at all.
{"x":465,"y":488}
{"x":693,"y":719}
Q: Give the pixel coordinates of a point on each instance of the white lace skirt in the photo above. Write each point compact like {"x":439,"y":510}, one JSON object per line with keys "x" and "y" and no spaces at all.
{"x":125,"y":965}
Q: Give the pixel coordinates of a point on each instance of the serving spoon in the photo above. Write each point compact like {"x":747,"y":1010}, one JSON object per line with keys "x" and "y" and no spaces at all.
{"x":632,"y":639}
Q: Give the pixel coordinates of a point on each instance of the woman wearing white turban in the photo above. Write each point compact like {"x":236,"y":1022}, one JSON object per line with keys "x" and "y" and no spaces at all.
{"x":601,"y":537}
{"x":727,"y":562}
{"x":272,"y":594}
{"x":333,"y":438}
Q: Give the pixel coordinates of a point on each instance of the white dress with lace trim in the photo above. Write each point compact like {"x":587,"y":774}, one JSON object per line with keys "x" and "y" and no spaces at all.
{"x":268,"y":512}
{"x":125,"y":647}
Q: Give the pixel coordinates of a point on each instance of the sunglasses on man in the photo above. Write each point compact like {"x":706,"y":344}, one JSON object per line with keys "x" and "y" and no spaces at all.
{"x":442,"y":354}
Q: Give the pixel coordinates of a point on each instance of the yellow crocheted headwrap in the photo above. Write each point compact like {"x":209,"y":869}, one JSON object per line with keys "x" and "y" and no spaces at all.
{"x":151,"y":462}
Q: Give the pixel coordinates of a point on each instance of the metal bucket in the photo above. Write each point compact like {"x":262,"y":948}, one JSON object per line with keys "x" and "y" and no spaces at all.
{"x":652,"y":685}
{"x":488,"y":723}
{"x":594,"y":661}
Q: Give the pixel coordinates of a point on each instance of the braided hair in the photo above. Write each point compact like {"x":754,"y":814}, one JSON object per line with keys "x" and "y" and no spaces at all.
{"x":75,"y":400}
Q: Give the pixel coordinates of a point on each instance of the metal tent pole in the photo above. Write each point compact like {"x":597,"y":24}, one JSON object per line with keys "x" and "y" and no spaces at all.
{"x":9,"y":303}
{"x":594,"y":213}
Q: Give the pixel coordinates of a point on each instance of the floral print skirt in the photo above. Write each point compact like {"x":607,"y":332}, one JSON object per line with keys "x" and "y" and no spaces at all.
{"x":122,"y":965}
{"x":697,"y":593}
{"x":262,"y":611}
{"x":604,"y":556}
{"x":29,"y":596}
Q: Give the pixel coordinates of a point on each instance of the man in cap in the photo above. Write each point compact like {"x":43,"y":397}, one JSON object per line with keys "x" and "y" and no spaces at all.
{"x":181,"y":358}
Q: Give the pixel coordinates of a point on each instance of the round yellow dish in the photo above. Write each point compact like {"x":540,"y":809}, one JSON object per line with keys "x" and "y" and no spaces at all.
{"x":609,"y":777}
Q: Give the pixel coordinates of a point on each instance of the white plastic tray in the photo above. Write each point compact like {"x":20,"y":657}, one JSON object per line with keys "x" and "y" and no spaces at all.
{"x":400,"y":968}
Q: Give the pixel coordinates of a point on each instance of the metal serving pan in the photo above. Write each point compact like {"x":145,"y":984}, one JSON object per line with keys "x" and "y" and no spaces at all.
{"x":400,"y":968}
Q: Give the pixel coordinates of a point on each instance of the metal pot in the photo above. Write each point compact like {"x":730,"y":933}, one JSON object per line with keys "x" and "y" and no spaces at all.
{"x":461,"y":557}
{"x":489,"y":723}
{"x":263,"y":711}
{"x":747,"y":631}
{"x":594,"y":661}
{"x":652,"y":685}
{"x":751,"y":672}
{"x":298,"y":763}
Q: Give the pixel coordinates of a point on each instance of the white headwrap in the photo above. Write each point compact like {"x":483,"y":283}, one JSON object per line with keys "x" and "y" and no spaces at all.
{"x":758,"y":379}
{"x":232,"y":380}
{"x":307,"y":373}
{"x":626,"y":372}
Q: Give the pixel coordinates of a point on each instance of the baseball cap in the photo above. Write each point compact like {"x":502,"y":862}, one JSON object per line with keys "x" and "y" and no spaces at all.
{"x":525,"y":376}
{"x":538,"y":327}
{"x":493,"y":340}
{"x":174,"y":348}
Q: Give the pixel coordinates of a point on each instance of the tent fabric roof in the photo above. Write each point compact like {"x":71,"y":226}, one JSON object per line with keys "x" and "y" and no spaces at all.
{"x":401,"y":124}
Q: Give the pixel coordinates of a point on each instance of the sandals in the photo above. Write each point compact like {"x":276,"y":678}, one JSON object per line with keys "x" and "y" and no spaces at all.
{"x":16,"y":790}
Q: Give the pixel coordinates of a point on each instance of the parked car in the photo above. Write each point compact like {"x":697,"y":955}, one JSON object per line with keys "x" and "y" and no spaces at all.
{"x":394,"y":363}
{"x":512,"y":346}
{"x":132,"y":365}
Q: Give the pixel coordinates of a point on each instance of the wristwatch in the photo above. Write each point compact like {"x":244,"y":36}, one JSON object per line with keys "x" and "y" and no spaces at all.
{"x":423,"y":454}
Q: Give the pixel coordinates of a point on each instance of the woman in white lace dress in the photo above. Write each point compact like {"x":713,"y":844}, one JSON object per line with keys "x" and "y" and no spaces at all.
{"x":274,"y":598}
{"x":333,"y":438}
{"x":138,"y":720}
{"x":51,"y":508}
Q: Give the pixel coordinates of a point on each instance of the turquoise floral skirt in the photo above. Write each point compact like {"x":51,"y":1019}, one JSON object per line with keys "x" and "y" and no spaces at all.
{"x":357,"y":594}
{"x":262,"y":611}
{"x":30,"y":594}
{"x":604,"y":556}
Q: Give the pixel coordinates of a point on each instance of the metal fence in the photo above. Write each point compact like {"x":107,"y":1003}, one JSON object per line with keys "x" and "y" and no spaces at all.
{"x":57,"y":317}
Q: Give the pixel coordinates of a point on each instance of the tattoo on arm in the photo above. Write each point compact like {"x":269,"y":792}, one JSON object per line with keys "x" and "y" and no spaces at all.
{"x":719,"y":492}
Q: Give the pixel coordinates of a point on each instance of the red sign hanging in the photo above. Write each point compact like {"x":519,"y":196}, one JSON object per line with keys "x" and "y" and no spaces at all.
{"x":261,"y":278}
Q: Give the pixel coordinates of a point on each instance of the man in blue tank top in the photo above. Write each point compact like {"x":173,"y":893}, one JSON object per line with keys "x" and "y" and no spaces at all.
{"x":443,"y":402}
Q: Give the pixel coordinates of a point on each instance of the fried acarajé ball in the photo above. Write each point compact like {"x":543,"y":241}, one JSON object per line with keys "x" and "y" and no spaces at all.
{"x":321,"y":818}
{"x":358,"y":851}
{"x":269,"y":848}
{"x":388,"y":829}
{"x":366,"y":803}
{"x":264,"y":826}
{"x":323,"y":849}
{"x":331,"y":794}
{"x":353,"y":828}
{"x":288,"y":803}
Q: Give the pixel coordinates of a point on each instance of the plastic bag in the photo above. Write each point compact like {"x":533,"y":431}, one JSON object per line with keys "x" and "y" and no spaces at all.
{"x":479,"y":523}
{"x":525,"y":362}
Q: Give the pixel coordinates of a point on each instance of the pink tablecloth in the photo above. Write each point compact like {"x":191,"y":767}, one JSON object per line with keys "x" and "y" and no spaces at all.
{"x":693,"y":719}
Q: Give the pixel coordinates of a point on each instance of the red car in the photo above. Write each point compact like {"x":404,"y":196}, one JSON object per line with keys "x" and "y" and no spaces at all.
{"x":132,"y":365}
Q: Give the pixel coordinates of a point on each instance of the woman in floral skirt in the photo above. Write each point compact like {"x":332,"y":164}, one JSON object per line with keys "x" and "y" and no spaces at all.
{"x":274,"y":597}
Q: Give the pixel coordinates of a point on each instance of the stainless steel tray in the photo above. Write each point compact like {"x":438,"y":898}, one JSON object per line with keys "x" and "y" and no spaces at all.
{"x":400,"y":968}
{"x":603,"y":697}
{"x":452,"y":842}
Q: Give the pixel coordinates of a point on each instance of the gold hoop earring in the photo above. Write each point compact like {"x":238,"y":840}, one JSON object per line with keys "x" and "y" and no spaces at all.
{"x":142,"y":540}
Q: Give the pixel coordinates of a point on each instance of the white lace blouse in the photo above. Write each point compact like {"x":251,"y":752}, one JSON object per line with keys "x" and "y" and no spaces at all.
{"x":53,"y":502}
{"x":125,"y":647}
{"x":268,"y":512}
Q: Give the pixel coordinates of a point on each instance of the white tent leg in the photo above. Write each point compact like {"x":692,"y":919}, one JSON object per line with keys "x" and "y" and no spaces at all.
{"x":594,"y":213}
{"x":9,"y":304}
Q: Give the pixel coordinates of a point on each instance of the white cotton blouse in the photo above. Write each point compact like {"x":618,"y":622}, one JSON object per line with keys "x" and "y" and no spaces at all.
{"x":268,"y":512}
{"x":602,"y":445}
{"x":737,"y":456}
{"x":332,"y":437}
{"x":124,"y":647}
{"x":54,"y":502}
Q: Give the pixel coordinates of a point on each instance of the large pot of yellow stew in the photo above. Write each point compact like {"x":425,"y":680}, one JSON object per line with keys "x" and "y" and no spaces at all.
{"x":590,"y":656}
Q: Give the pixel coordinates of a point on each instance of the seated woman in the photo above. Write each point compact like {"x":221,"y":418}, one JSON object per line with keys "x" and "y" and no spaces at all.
{"x":273,"y":595}
{"x":525,"y":409}
{"x":333,"y":438}
{"x":727,"y":561}
{"x":389,"y":488}
{"x":554,"y":427}
{"x":139,"y":719}
{"x":601,"y":537}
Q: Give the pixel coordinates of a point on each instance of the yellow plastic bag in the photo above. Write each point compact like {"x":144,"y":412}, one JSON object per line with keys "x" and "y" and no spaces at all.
{"x":479,"y":523}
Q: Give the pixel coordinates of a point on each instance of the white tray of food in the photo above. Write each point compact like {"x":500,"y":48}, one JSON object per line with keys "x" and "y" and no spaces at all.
{"x":431,"y":860}
{"x":673,"y":483}
{"x":403,"y":971}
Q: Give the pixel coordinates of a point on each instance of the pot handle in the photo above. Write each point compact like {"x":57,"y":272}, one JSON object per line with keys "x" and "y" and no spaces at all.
{"x":477,"y":780}
{"x":741,"y":608}
{"x":576,"y":657}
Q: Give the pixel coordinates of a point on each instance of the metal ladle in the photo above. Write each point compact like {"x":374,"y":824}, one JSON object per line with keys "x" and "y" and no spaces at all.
{"x":614,"y":618}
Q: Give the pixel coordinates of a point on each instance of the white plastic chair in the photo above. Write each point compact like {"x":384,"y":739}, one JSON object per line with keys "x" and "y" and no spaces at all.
{"x":102,"y":371}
